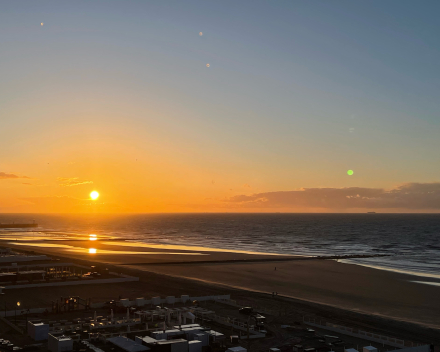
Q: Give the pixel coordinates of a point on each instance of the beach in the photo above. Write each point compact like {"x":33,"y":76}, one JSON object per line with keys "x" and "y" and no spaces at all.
{"x":349,"y":287}
{"x":345,"y":286}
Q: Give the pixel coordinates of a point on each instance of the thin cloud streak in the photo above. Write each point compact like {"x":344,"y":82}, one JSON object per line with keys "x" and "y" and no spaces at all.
{"x":71,"y":181}
{"x":4,"y":176}
{"x":409,"y":196}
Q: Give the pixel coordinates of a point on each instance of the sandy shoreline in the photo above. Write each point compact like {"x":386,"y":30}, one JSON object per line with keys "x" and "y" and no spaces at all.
{"x":346,"y":286}
{"x":340,"y":285}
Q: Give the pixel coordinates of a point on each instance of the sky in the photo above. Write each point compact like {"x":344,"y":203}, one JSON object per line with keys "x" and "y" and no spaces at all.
{"x":227,"y":106}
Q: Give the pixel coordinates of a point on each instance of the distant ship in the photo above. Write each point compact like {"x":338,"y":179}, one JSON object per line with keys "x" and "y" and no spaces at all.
{"x":17,"y":226}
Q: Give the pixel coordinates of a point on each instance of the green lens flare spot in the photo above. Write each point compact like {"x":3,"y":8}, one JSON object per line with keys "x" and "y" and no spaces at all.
{"x":350,"y":172}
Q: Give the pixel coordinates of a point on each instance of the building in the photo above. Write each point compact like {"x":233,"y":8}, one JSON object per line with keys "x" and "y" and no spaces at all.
{"x":38,"y":331}
{"x":59,"y":343}
{"x":195,"y":346}
{"x":178,"y":345}
{"x":369,"y":349}
{"x":127,"y":345}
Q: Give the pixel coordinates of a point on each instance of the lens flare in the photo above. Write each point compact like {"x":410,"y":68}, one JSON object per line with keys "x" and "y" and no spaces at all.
{"x":350,"y":172}
{"x":207,"y":65}
{"x":92,"y":237}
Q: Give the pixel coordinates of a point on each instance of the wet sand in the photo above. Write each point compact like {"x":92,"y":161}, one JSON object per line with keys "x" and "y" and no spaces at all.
{"x":349,"y":287}
{"x":121,"y":252}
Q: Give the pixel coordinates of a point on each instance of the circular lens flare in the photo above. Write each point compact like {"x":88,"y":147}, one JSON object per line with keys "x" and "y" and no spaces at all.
{"x":94,"y":195}
{"x":350,"y":172}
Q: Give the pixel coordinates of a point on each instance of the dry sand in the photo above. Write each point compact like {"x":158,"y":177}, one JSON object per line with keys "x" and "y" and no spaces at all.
{"x":345,"y":286}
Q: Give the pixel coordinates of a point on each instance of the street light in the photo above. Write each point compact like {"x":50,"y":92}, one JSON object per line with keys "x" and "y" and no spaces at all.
{"x":15,"y":319}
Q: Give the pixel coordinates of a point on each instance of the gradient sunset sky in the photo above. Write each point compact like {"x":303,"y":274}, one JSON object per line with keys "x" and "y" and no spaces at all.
{"x":116,"y":96}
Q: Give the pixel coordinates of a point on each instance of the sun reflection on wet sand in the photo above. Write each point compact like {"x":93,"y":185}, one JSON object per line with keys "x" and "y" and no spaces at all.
{"x":47,"y":236}
{"x":95,"y":250}
{"x":39,"y":240}
{"x":36,"y":244}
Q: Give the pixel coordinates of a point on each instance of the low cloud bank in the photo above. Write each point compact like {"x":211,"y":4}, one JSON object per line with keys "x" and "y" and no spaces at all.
{"x":411,"y":196}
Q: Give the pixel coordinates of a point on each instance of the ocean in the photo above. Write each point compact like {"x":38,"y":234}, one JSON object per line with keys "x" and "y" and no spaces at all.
{"x":411,"y":240}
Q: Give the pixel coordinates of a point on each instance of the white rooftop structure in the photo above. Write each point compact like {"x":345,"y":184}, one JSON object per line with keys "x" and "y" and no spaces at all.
{"x":203,"y":337}
{"x":38,"y":331}
{"x":125,"y":302}
{"x":195,"y":346}
{"x":369,"y":349}
{"x":215,"y":335}
{"x":161,"y":335}
{"x":177,"y":345}
{"x":127,"y":344}
{"x":190,"y":332}
{"x":186,"y":326}
{"x":236,"y":349}
{"x":59,"y":343}
{"x":146,"y":339}
{"x":155,"y":301}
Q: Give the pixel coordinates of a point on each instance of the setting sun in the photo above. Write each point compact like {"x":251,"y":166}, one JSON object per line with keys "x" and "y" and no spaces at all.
{"x":94,"y":195}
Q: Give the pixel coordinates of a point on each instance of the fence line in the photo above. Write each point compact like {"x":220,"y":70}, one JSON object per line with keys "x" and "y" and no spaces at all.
{"x":263,"y":310}
{"x":391,"y":341}
{"x":72,"y":283}
{"x":140,"y":302}
{"x":127,"y":303}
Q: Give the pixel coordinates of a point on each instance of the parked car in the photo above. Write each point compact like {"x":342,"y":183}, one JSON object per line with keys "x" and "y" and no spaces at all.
{"x":246,"y":310}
